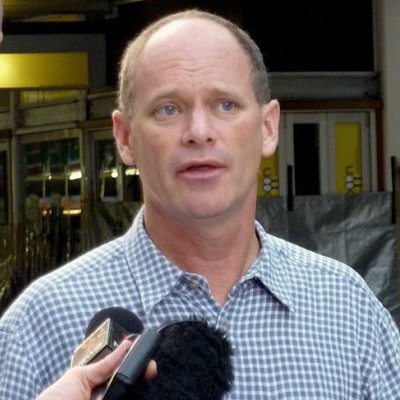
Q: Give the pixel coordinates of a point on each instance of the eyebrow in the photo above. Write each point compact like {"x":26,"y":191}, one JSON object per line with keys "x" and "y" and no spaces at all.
{"x":167,"y":92}
{"x":175,"y":92}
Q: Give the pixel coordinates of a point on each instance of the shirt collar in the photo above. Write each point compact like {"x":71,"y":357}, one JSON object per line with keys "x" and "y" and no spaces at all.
{"x":156,"y":276}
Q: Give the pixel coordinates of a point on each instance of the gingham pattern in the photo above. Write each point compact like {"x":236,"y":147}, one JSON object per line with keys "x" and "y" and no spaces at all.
{"x":303,"y":326}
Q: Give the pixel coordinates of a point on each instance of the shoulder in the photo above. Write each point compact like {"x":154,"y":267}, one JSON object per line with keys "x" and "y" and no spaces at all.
{"x":300,"y":260}
{"x":47,"y":321}
{"x":313,"y":278}
{"x":339,"y":304}
{"x":321,"y":284}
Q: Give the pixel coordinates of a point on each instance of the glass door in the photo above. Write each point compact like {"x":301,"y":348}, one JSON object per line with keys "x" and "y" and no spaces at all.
{"x":307,"y":151}
{"x":351,"y":146}
{"x":51,"y":196}
{"x":331,"y":152}
{"x":114,"y":181}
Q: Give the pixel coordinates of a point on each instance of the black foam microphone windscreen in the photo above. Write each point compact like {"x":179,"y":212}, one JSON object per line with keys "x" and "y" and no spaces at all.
{"x":194,"y":362}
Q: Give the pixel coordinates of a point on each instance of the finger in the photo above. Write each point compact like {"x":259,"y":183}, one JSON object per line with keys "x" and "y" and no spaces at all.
{"x":97,"y":373}
{"x":151,"y":370}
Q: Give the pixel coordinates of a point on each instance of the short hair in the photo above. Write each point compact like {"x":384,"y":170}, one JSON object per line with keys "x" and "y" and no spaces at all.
{"x":126,"y":85}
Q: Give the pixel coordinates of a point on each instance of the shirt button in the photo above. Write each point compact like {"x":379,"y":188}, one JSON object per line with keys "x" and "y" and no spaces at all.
{"x":194,"y":285}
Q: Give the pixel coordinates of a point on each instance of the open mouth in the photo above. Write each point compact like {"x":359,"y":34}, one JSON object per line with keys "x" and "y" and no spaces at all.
{"x":201,"y":169}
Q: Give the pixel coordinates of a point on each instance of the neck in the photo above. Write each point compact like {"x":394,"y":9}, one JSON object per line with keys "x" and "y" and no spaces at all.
{"x":220,"y":251}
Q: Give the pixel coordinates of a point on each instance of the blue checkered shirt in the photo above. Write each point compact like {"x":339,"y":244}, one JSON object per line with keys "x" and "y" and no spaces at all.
{"x":303,"y":326}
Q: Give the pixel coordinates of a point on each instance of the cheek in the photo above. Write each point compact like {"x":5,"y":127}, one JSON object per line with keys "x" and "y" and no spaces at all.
{"x":249,"y":139}
{"x":155,"y":149}
{"x":248,"y":149}
{"x":152,"y":157}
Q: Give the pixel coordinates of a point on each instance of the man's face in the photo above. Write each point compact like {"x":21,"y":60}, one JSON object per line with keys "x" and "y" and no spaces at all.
{"x":197,"y":132}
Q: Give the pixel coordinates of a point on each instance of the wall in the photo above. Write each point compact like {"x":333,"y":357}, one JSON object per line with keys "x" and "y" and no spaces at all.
{"x":93,"y":44}
{"x":388,"y":46}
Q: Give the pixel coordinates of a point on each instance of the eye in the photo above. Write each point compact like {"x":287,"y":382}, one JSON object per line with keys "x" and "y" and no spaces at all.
{"x":227,"y":105}
{"x":167,"y":110}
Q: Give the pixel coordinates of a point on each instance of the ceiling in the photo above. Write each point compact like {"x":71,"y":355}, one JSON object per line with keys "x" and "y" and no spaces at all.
{"x":20,"y":10}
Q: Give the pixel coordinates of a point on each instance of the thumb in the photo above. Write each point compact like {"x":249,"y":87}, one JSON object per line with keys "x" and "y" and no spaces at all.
{"x":97,"y":373}
{"x":79,"y":382}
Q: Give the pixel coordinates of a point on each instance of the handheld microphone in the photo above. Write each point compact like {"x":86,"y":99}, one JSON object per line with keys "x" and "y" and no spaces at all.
{"x":128,"y":320}
{"x":105,"y":331}
{"x":193,"y":359}
{"x":132,"y":366}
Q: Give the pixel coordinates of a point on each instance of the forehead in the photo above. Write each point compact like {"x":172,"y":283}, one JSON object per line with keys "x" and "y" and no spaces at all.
{"x":192,"y":39}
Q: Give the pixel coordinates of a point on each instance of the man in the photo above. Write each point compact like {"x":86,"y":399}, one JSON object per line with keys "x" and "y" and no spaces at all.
{"x":195,"y":116}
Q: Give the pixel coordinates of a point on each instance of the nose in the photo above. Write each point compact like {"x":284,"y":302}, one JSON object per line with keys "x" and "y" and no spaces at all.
{"x":199,"y":129}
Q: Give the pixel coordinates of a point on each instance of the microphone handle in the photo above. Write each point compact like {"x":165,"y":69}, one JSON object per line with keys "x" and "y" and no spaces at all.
{"x":131,"y":367}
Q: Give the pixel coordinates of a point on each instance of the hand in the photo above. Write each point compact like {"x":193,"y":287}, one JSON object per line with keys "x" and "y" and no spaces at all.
{"x":78,"y":383}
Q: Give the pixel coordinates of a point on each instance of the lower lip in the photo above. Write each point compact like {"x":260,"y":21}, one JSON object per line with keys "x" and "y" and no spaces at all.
{"x":202,"y":173}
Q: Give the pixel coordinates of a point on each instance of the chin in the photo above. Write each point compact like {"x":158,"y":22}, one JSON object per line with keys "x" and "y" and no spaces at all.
{"x":204,"y":210}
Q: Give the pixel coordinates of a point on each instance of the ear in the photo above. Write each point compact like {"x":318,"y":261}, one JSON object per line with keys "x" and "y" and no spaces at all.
{"x":271,"y":114}
{"x":122,"y":136}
